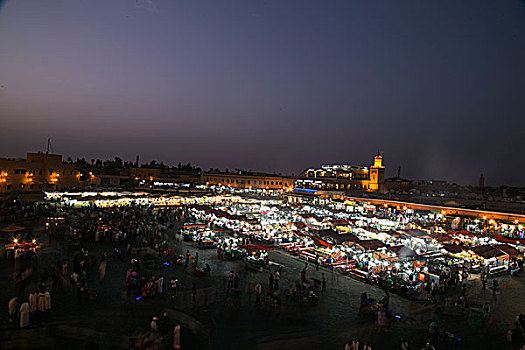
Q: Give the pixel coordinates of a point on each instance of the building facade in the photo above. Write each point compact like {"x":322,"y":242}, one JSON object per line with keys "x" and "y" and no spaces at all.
{"x":38,"y":172}
{"x":249,"y":180}
{"x":344,"y":177}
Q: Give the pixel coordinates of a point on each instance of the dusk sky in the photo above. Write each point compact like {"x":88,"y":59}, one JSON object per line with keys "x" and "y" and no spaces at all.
{"x":270,"y":85}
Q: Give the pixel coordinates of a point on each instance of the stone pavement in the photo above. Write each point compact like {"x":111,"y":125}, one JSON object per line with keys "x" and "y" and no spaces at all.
{"x":110,"y":322}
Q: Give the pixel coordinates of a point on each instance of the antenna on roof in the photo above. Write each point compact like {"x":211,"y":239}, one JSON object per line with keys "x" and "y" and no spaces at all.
{"x":49,"y":146}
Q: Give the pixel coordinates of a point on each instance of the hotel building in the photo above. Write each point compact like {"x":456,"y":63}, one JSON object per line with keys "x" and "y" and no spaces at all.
{"x":38,"y":172}
{"x":249,"y":180}
{"x":344,"y":177}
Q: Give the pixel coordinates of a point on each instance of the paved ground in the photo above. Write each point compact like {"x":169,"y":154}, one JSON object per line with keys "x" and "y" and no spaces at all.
{"x":114,"y":318}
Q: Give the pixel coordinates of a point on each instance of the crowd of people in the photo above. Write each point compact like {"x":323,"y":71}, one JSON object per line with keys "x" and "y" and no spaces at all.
{"x":145,"y":228}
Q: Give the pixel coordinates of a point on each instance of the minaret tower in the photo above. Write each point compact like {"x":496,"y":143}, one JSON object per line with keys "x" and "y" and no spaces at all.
{"x":377,"y":174}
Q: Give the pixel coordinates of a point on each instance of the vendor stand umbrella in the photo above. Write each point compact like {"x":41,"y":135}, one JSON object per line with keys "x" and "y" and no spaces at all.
{"x":12,"y":229}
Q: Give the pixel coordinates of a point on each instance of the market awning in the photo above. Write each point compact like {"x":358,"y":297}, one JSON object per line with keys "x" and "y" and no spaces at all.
{"x":504,"y":239}
{"x":402,"y":251}
{"x":256,"y":247}
{"x":195,"y":225}
{"x":370,"y":244}
{"x":12,"y":228}
{"x":513,"y":252}
{"x":320,"y":242}
{"x":337,"y":237}
{"x":489,"y":251}
{"x":453,"y":248}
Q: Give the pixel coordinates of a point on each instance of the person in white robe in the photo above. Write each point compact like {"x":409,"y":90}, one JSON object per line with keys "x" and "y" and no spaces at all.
{"x":47,"y":301}
{"x":41,"y":302}
{"x":102,"y":270}
{"x":176,"y":336}
{"x":32,"y":302}
{"x":12,"y":308}
{"x":24,"y":315}
{"x":160,"y":285}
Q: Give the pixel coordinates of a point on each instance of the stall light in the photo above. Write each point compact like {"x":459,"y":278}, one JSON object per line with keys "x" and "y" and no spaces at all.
{"x":484,"y":217}
{"x":33,"y":241}
{"x":15,"y":240}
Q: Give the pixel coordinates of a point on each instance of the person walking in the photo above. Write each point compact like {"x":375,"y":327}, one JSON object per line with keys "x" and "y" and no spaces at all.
{"x":102,"y":270}
{"x":153,"y":325}
{"x":80,"y":293}
{"x":381,"y":319}
{"x":173,"y":287}
{"x":354,"y":344}
{"x":271,"y":280}
{"x":230,"y":280}
{"x":194,"y":293}
{"x":495,"y":286}
{"x":258,"y":293}
{"x":176,"y":336}
{"x":165,"y":323}
{"x":187,"y":261}
{"x":12,"y":308}
{"x":484,"y":281}
{"x":160,"y":285}
{"x":276,"y":278}
{"x":236,"y":280}
{"x":323,"y":288}
{"x":32,"y":302}
{"x":47,"y":301}
{"x":24,"y":315}
{"x":41,"y":302}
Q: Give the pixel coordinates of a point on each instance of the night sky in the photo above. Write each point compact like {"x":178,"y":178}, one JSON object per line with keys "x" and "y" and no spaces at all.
{"x":270,"y":85}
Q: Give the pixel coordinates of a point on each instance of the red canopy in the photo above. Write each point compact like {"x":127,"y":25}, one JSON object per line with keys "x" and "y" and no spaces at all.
{"x":510,"y":240}
{"x":320,"y":242}
{"x":255,"y":247}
